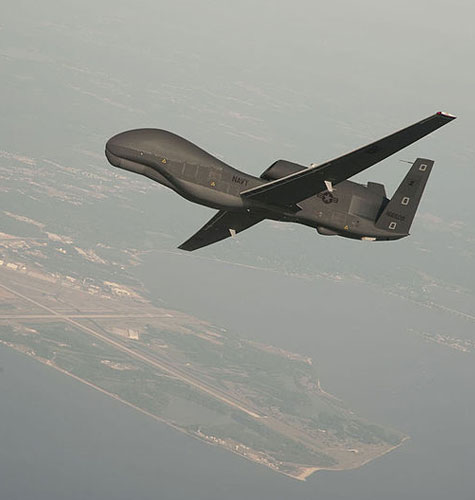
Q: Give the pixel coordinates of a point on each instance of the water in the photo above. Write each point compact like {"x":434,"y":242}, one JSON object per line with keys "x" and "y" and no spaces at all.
{"x":366,"y":354}
{"x":61,"y":439}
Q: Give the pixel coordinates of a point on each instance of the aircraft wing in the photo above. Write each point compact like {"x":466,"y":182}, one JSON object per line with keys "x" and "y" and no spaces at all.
{"x":221,"y":226}
{"x":298,"y":186}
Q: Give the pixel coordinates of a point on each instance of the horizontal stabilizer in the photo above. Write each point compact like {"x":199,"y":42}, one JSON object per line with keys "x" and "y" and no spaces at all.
{"x":221,"y":226}
{"x":302,"y":184}
{"x":400,"y":211}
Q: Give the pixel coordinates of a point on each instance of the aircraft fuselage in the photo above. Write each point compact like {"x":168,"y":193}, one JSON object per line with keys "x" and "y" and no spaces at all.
{"x":350,"y":210}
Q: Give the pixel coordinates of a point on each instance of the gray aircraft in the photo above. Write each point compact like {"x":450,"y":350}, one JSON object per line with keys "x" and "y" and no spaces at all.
{"x":319,"y":196}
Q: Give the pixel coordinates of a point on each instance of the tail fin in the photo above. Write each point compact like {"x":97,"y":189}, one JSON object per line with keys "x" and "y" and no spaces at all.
{"x":400,"y":211}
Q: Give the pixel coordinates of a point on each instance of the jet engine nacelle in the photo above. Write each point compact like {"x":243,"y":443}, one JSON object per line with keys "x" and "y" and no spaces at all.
{"x":281,"y":168}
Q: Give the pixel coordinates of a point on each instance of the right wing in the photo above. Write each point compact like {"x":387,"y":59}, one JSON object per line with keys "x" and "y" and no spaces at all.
{"x":222,"y":225}
{"x":298,"y":186}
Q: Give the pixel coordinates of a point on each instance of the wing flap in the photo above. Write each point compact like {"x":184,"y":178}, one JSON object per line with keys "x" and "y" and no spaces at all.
{"x":223,"y":225}
{"x":305,"y":183}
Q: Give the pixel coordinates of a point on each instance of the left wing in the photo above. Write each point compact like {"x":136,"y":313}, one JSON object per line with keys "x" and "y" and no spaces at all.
{"x":300,"y":185}
{"x":221,"y":226}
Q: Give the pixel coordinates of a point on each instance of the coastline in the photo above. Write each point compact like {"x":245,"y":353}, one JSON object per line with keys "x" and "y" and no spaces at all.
{"x":308,"y":471}
{"x":304,"y":471}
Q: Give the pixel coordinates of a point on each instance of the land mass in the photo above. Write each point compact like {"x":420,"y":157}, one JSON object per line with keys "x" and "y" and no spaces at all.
{"x":258,"y":401}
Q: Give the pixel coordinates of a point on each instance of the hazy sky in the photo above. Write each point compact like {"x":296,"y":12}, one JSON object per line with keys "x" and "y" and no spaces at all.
{"x":310,"y":79}
{"x":252,"y":82}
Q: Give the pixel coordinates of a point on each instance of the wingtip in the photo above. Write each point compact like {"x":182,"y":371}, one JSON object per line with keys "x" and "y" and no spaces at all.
{"x":188,"y":246}
{"x":446,"y":115}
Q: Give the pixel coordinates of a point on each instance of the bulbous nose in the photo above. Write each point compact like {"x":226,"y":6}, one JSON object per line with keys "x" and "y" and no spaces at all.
{"x":135,"y":143}
{"x":130,"y":145}
{"x":122,"y":147}
{"x":120,"y":143}
{"x":136,"y":146}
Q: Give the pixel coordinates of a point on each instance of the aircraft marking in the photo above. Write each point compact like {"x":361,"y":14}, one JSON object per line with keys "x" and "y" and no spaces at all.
{"x":396,"y":216}
{"x":239,"y":180}
{"x":327,"y":197}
